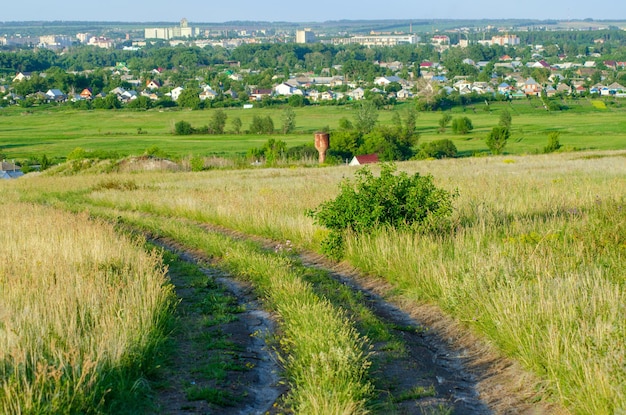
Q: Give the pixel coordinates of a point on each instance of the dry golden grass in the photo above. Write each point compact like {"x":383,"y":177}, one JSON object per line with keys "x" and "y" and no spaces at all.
{"x":76,"y":300}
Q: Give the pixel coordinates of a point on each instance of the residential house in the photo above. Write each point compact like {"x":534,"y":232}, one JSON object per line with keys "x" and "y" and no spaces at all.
{"x":426,"y":65}
{"x":55,"y":95}
{"x":610,"y":64}
{"x":175,"y":93}
{"x":563,"y":89}
{"x":463,"y":86}
{"x":20,"y":76}
{"x":117,"y":91}
{"x":128,"y":96}
{"x":505,"y":89}
{"x":394,"y":66}
{"x":336,"y":81}
{"x":404,"y":94}
{"x":481,"y":87}
{"x":616,"y":88}
{"x":356,"y":94}
{"x":327,"y":96}
{"x":9,"y":171}
{"x":152,"y":85}
{"x":86,"y":94}
{"x":386,"y":80}
{"x":364,"y":159}
{"x":531,"y":87}
{"x":550,"y":91}
{"x":258,"y":94}
{"x":284,"y":89}
{"x":580,"y":89}
{"x":540,"y":64}
{"x":207,"y":93}
{"x":230,"y":93}
{"x":153,"y":96}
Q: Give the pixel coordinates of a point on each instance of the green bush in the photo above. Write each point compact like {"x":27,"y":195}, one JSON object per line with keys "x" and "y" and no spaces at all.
{"x":437,"y":149}
{"x":553,"y":142}
{"x":197,"y":163}
{"x":369,"y":203}
{"x":462,"y":125}
{"x":497,"y":139}
{"x":183,"y":128}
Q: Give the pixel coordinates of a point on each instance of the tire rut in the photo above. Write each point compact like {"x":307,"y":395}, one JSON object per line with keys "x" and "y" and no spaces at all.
{"x":439,"y":354}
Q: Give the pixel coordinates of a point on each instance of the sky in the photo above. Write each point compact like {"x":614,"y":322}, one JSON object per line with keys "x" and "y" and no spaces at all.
{"x":208,"y":11}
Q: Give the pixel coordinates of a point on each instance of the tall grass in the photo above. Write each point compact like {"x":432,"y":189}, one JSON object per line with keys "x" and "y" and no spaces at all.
{"x":81,"y":310}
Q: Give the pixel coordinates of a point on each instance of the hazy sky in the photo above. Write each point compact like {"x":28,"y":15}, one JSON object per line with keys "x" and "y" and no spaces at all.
{"x":309,"y":11}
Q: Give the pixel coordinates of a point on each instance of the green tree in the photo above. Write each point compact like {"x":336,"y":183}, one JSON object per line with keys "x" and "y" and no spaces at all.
{"x":183,"y":128}
{"x":497,"y":138}
{"x":344,"y":144}
{"x":366,"y":116}
{"x":296,"y":101}
{"x":505,"y":119}
{"x":462,"y":125}
{"x":437,"y":149}
{"x":553,"y":142}
{"x":444,"y":121}
{"x":289,"y":120}
{"x":189,"y":98}
{"x":237,"y":124}
{"x":218,"y":122}
{"x":262,"y":125}
{"x":345,"y":124}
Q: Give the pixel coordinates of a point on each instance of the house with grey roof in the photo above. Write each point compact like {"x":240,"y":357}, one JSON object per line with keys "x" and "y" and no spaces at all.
{"x":9,"y":171}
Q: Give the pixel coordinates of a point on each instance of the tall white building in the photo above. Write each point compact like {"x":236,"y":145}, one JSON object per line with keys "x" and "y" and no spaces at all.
{"x":305,"y":36}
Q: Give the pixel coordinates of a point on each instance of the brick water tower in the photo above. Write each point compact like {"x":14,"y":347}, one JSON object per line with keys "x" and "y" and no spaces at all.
{"x":322,"y":142}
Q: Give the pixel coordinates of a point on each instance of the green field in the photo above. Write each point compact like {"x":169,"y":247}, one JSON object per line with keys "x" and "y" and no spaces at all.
{"x":56,"y":131}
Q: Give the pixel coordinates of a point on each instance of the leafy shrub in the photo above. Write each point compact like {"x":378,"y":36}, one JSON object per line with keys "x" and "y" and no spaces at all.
{"x":78,"y":153}
{"x":183,"y":128}
{"x":437,"y":149}
{"x":497,"y":138}
{"x":462,"y":125}
{"x":197,"y":163}
{"x":368,"y":203}
{"x":553,"y":142}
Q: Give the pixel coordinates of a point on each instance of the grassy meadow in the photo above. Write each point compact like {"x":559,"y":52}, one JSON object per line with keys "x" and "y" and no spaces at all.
{"x":56,"y":131}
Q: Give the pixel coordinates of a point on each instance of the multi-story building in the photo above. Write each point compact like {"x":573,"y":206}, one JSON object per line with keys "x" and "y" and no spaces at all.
{"x":166,"y":33}
{"x":505,"y":40}
{"x":305,"y":36}
{"x":379,"y":40}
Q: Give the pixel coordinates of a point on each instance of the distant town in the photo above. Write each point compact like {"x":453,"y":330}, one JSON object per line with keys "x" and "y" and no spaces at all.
{"x":108,"y":65}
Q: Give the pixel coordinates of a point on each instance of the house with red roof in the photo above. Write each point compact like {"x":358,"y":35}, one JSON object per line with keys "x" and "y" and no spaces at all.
{"x":364,"y":159}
